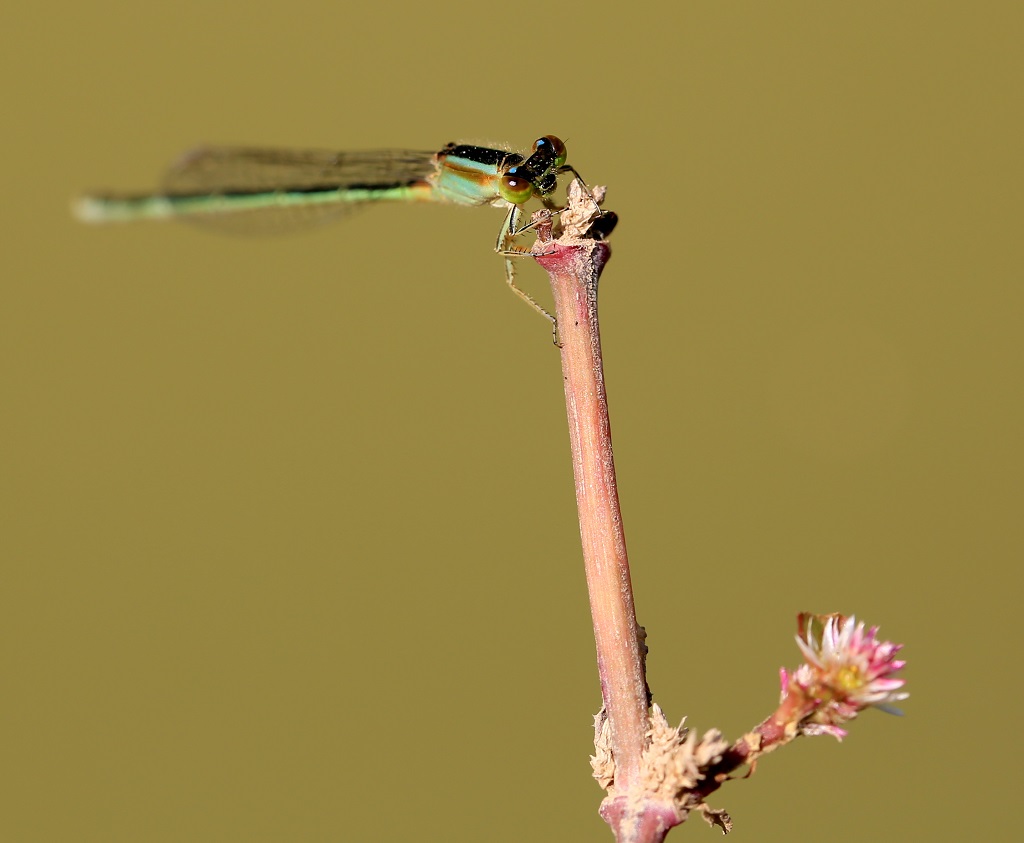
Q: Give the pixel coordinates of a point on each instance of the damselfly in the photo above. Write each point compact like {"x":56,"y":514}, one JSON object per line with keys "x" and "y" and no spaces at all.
{"x":248,"y":189}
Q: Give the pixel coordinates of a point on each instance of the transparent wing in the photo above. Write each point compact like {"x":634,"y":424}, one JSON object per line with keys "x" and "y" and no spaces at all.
{"x":215,"y":169}
{"x":258,"y":191}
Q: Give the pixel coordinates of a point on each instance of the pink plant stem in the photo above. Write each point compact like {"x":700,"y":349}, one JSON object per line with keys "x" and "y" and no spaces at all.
{"x":574,"y":267}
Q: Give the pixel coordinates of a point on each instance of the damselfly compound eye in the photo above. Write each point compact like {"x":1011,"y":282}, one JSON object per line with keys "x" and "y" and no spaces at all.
{"x":554,"y":145}
{"x":515,"y":188}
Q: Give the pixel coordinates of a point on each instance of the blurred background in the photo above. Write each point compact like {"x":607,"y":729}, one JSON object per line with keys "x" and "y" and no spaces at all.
{"x":288,"y":543}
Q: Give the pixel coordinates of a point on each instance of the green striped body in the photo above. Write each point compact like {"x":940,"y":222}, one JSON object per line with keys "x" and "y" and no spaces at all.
{"x":167,"y":206}
{"x":222,"y":182}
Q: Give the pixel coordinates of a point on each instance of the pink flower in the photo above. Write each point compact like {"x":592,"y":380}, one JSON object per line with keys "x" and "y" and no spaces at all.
{"x":847,"y":670}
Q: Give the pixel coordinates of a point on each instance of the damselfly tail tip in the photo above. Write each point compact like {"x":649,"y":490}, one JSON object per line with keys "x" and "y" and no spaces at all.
{"x":88,"y":209}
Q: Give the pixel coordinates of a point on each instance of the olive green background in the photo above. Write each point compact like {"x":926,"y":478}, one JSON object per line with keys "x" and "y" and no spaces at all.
{"x":288,"y":546}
